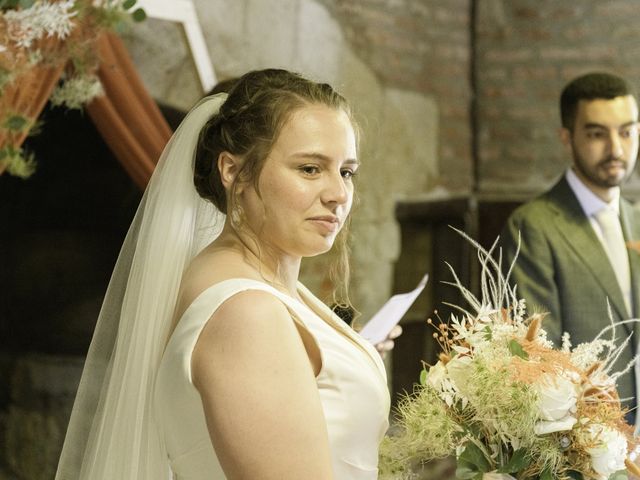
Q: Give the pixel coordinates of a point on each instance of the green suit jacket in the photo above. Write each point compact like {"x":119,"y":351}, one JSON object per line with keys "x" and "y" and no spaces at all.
{"x":563,"y":269}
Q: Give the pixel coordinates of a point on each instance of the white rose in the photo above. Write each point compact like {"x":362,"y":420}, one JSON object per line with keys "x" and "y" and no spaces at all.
{"x":557,"y":398}
{"x":610,"y":452}
{"x":436,"y":375}
{"x":543,"y":427}
{"x":459,"y":370}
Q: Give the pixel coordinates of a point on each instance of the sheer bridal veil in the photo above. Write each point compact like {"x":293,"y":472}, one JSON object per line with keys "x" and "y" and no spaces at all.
{"x":112,"y":432}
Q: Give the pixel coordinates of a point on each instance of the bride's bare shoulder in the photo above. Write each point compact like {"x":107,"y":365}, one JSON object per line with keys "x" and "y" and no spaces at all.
{"x":209,"y":268}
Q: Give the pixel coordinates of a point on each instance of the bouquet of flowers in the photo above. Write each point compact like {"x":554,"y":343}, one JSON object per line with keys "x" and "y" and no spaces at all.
{"x":507,"y":403}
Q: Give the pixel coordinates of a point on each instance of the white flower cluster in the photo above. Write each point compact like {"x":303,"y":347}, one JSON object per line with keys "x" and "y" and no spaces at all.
{"x":43,"y":18}
{"x":586,"y":354}
{"x":76,"y":91}
{"x":610,"y":450}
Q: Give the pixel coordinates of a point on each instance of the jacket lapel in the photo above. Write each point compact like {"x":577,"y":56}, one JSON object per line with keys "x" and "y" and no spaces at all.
{"x":574,"y":226}
{"x":631,"y":231}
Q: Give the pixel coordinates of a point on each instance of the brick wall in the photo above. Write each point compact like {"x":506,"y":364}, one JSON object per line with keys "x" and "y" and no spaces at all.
{"x":423,"y":46}
{"x":523,"y":52}
{"x":526,"y":51}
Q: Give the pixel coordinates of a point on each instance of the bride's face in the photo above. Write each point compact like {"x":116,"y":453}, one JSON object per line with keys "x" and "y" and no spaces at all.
{"x":306,"y":185}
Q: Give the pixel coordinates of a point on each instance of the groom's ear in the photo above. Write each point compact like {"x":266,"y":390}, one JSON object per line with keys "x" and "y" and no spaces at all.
{"x":229,"y":166}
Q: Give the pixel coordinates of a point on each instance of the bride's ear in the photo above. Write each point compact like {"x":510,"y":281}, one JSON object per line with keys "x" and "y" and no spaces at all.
{"x":229,"y":166}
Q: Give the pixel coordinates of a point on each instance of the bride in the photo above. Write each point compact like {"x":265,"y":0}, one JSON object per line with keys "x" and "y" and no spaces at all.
{"x":210,"y":359}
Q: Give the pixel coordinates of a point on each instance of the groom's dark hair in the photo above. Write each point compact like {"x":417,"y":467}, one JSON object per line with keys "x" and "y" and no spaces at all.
{"x":592,"y":86}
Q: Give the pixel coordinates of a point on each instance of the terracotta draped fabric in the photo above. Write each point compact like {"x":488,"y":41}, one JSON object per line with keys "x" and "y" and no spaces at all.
{"x":26,"y":97}
{"x":126,"y":116}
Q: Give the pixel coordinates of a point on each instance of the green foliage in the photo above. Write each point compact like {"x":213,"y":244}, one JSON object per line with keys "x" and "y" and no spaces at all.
{"x":472,"y":463}
{"x":17,"y":162}
{"x":619,"y":475}
{"x":464,"y":472}
{"x":6,"y":77}
{"x":547,"y":454}
{"x":16,"y":123}
{"x":423,"y":377}
{"x":501,"y":405}
{"x":13,"y":4}
{"x":9,"y":4}
{"x":427,"y":432}
{"x":518,"y":461}
{"x":516,"y":349}
{"x":139,"y":15}
{"x":119,"y":19}
{"x":546,"y":475}
{"x":487,"y":333}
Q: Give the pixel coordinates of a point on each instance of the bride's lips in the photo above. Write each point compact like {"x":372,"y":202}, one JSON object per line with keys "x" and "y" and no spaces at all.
{"x":329,"y":223}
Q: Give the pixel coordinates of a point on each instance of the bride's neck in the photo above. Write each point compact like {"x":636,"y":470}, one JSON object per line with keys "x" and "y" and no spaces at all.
{"x":276,"y":268}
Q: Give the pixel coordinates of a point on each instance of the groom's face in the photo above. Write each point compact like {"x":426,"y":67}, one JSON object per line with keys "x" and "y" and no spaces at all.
{"x":604,"y":142}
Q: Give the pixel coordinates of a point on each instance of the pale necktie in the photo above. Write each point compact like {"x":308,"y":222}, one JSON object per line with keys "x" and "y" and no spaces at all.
{"x":616,"y":249}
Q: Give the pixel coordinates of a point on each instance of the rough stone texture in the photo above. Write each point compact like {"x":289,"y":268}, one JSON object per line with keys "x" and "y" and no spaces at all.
{"x":42,"y":391}
{"x":526,"y":51}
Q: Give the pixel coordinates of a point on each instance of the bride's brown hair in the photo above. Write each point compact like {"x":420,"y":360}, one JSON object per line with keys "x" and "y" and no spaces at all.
{"x":248,"y":125}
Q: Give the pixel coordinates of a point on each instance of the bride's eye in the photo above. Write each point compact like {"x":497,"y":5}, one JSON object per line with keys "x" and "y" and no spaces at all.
{"x":348,"y":173}
{"x":310,"y":169}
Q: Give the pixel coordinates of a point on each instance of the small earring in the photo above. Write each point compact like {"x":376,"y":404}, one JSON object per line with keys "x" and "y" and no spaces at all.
{"x":236,"y":215}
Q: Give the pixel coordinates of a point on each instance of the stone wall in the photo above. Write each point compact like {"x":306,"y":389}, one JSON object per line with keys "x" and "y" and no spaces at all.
{"x":33,"y":425}
{"x":526,"y":51}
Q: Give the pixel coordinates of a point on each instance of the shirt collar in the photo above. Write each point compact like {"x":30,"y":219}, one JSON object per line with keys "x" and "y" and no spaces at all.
{"x":589,"y":201}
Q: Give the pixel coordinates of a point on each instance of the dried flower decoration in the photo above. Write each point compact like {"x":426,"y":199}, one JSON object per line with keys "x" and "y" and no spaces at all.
{"x":50,"y":19}
{"x":39,"y":34}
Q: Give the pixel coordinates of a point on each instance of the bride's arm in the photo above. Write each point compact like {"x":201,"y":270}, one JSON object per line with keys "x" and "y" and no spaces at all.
{"x":259,"y":392}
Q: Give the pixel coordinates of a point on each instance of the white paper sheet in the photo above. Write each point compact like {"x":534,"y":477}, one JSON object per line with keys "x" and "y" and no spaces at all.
{"x":377,"y":329}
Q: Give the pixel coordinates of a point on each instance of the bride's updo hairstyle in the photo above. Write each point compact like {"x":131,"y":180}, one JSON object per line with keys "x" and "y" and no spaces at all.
{"x":248,"y":125}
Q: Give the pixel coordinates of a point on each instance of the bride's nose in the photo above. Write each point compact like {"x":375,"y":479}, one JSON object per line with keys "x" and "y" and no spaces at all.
{"x":335,"y":190}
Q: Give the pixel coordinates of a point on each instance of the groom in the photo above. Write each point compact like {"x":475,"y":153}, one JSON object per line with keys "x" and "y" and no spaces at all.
{"x":577,"y":240}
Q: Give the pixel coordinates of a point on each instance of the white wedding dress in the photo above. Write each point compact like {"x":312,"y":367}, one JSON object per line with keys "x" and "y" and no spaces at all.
{"x":351,"y":383}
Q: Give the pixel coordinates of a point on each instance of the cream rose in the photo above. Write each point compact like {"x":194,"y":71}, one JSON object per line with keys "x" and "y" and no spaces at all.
{"x":557,"y":396}
{"x":610,"y":452}
{"x":459,"y":370}
{"x":436,"y":375}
